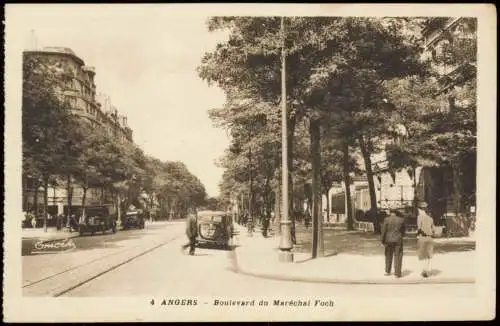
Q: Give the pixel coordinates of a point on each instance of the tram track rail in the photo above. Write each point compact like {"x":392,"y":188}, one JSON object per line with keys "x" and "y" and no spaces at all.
{"x":60,"y":283}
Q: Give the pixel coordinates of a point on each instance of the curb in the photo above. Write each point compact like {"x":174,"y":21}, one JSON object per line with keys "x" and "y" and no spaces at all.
{"x":52,"y":238}
{"x":331,"y":280}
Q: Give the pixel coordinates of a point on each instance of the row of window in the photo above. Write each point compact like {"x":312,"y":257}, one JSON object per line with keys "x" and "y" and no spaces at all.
{"x":109,"y":129}
{"x":79,"y":86}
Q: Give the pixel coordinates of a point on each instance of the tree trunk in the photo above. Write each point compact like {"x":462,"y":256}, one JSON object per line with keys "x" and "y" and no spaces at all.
{"x":35,"y":199}
{"x":25,"y":193}
{"x":347,"y":183}
{"x":371,"y":185}
{"x":250,"y":194}
{"x":172,"y":209}
{"x":290,"y":141}
{"x":457,"y":189}
{"x":84,"y":199}
{"x":69,"y":193}
{"x":327,"y":207}
{"x":118,"y":209}
{"x":415,"y":191}
{"x":315,"y":135}
{"x":45,"y":202}
{"x":277,"y":206}
{"x":151,"y":208}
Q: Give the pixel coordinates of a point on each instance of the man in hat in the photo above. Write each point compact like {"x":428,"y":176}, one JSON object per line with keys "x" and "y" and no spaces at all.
{"x":393,"y":231}
{"x":191,"y":232}
{"x":425,"y":243}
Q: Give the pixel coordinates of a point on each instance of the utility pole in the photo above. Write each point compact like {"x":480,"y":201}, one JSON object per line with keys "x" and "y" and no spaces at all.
{"x":285,"y":254}
{"x":250,"y":222}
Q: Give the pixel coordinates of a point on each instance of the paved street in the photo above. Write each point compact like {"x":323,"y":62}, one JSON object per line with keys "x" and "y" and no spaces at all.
{"x":149,"y":263}
{"x":90,"y":250}
{"x":166,"y":272}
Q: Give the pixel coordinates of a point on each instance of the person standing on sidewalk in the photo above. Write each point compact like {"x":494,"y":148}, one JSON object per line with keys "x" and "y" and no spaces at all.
{"x":425,"y":243}
{"x":307,"y":219}
{"x":33,"y":221}
{"x":393,"y":231}
{"x":191,"y":232}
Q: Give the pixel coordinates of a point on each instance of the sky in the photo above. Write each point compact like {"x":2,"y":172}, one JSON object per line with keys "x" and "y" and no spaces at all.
{"x":145,"y":60}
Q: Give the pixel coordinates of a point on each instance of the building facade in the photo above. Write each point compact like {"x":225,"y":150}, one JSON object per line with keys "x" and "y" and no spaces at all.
{"x":76,"y":86}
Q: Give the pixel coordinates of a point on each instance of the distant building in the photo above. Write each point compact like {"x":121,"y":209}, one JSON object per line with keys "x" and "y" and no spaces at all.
{"x":442,"y":36}
{"x":115,"y":124}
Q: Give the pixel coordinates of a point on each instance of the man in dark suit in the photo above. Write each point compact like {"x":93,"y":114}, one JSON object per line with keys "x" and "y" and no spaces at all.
{"x":191,"y":232}
{"x":393,"y":231}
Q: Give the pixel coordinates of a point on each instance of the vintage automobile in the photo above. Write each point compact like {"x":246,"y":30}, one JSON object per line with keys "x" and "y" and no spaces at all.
{"x":215,"y":228}
{"x":97,"y":219}
{"x":133,"y":219}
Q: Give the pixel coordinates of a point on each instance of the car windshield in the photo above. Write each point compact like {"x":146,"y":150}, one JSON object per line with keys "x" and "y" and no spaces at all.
{"x":96,"y":212}
{"x":210,"y":218}
{"x":216,"y":218}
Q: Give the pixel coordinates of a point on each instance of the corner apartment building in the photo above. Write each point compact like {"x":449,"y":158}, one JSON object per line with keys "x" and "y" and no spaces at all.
{"x":77,"y":87}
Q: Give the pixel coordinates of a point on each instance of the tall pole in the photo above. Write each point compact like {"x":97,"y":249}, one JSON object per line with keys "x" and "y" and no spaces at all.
{"x":250,"y":222}
{"x":285,"y":254}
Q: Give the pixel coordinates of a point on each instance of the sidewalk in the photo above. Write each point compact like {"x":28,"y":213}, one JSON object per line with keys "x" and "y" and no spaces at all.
{"x":51,"y":234}
{"x":258,"y":256}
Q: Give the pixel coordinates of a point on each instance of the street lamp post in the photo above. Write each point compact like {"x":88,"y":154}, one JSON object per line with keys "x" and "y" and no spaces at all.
{"x":285,"y":254}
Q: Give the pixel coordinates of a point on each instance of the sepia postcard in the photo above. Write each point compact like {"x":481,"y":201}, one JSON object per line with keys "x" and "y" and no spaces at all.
{"x":249,"y":162}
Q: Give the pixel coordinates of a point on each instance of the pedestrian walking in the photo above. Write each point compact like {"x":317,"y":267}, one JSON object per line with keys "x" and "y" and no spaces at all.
{"x":425,"y":243}
{"x":393,"y":231}
{"x":33,"y":221}
{"x":191,"y":232}
{"x":59,"y":221}
{"x":307,"y":219}
{"x":265,"y":226}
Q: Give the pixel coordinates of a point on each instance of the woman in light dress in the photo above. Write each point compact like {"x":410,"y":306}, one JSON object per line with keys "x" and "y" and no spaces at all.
{"x":425,"y":243}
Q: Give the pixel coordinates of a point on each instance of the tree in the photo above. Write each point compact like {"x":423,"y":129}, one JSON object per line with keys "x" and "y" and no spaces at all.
{"x":323,"y":55}
{"x":179,"y":190}
{"x":212,"y":204}
{"x":377,"y":50}
{"x":440,"y":113}
{"x":252,"y":153}
{"x":249,"y":64}
{"x":436,"y":138}
{"x":45,"y":118}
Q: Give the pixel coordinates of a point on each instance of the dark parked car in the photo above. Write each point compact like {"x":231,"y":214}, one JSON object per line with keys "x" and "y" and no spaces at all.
{"x":97,"y":219}
{"x":133,"y":219}
{"x":215,"y":227}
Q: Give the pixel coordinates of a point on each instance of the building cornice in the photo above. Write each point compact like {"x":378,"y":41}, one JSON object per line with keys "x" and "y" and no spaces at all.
{"x":50,"y":51}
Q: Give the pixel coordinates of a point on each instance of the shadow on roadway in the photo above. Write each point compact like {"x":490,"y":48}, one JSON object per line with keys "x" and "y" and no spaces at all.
{"x":215,"y":247}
